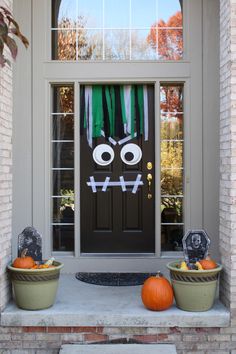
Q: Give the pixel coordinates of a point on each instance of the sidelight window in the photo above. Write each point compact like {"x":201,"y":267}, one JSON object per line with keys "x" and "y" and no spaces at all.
{"x":62,"y":170}
{"x":172,"y":166}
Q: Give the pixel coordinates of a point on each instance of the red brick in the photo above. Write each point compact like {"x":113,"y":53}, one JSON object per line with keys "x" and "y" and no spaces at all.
{"x":94,"y":337}
{"x":59,"y":329}
{"x":34,"y":329}
{"x":87,"y":329}
{"x":209,"y":330}
{"x":149,"y":338}
{"x":162,"y":336}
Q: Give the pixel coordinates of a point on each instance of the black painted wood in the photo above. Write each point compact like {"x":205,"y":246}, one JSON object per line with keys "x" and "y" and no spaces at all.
{"x":116,"y":221}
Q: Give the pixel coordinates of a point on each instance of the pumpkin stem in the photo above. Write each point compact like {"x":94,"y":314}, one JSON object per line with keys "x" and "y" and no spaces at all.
{"x":23,"y":253}
{"x":159,"y":275}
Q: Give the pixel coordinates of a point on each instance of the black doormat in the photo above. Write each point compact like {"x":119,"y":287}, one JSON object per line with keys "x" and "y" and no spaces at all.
{"x":114,"y":279}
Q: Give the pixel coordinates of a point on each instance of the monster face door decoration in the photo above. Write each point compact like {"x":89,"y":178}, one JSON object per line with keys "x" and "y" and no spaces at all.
{"x":103,"y":155}
{"x":111,"y":112}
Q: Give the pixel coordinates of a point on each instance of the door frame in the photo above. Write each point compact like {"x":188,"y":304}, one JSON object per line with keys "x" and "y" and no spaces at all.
{"x":188,"y":71}
{"x":133,"y":262}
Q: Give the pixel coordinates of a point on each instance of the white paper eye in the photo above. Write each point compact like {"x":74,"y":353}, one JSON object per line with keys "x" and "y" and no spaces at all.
{"x":131,"y":154}
{"x":103,"y":154}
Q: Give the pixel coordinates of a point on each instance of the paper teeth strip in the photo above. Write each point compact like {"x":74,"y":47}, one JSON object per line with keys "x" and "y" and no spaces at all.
{"x":122,"y":183}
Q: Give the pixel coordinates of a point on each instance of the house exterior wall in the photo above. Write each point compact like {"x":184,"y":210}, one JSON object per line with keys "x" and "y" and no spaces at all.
{"x":5,"y":173}
{"x":187,"y":340}
{"x":227,"y":161}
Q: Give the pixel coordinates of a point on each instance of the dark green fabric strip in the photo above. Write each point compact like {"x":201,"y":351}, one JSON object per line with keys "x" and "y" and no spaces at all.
{"x":113,"y":103}
{"x":97,"y":111}
{"x":132,"y":110}
{"x":109,"y":107}
{"x":141,"y":106}
{"x":122,"y":99}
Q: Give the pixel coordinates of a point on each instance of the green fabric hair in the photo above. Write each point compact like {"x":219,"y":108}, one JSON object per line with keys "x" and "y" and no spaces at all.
{"x":97,"y":111}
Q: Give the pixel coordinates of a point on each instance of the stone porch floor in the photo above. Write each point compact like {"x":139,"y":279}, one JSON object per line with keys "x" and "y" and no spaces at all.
{"x":81,"y":304}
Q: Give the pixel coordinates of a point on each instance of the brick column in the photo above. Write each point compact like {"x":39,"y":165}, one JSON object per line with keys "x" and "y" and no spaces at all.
{"x":5,"y":173}
{"x":228,"y":151}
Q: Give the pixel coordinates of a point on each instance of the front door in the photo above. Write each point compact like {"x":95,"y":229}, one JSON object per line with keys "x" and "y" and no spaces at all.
{"x":117,"y":182}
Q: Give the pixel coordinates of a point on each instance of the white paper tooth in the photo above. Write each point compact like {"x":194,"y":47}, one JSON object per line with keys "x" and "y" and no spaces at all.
{"x":136,"y":183}
{"x":105,"y":184}
{"x":92,"y":184}
{"x":122,"y":183}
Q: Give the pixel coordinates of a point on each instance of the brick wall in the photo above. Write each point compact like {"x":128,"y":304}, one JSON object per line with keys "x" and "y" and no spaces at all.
{"x":5,"y":173}
{"x":227,"y":216}
{"x":48,"y":340}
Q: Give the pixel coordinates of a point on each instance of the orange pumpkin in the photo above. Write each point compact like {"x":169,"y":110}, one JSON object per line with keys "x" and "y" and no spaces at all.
{"x":24,"y":261}
{"x":157,"y":293}
{"x":208,"y":263}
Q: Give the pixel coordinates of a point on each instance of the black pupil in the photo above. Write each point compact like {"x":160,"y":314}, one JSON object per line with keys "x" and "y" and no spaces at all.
{"x":106,"y":156}
{"x":129,"y":156}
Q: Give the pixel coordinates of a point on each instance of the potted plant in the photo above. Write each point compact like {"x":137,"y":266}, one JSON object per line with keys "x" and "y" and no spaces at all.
{"x":194,"y":279}
{"x":34,"y":284}
{"x":194,"y":289}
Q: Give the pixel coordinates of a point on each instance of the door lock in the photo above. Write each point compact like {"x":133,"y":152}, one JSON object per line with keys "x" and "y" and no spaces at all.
{"x":149,"y":165}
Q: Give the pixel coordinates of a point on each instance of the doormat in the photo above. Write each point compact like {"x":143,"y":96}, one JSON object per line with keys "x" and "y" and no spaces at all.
{"x":114,"y":279}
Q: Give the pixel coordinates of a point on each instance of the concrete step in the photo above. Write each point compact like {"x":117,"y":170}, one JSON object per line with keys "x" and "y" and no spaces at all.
{"x":118,"y":349}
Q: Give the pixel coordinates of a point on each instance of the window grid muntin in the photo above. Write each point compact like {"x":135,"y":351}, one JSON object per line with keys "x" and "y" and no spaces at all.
{"x":55,"y":198}
{"x":162,"y":168}
{"x":130,"y":29}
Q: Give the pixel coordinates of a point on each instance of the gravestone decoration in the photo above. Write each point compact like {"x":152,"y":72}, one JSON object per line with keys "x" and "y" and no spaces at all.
{"x":195,"y":245}
{"x":31,"y":240}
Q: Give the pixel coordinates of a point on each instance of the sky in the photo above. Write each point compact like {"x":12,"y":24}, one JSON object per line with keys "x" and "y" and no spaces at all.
{"x":116,"y":13}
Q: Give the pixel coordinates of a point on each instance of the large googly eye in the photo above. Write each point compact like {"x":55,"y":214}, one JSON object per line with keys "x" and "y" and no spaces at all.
{"x":131,"y":154}
{"x":103,"y":154}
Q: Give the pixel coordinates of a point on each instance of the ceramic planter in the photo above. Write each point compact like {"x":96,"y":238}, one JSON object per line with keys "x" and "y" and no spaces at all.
{"x":35,"y":289}
{"x":194,"y":290}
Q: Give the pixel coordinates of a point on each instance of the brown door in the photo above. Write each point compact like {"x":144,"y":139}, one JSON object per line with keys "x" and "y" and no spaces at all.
{"x":117,"y":204}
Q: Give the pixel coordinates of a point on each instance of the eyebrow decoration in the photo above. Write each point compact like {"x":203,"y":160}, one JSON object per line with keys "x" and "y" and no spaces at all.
{"x":127,"y":138}
{"x":112,"y":141}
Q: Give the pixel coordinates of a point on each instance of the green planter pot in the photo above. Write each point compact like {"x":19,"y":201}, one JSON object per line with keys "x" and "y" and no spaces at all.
{"x":194,"y":290}
{"x":35,"y":289}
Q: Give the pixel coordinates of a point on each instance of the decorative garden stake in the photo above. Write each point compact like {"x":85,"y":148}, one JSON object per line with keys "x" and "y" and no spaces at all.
{"x":195,"y":245}
{"x":30,"y":241}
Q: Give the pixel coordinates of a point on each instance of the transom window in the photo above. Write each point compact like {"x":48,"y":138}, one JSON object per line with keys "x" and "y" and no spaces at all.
{"x":117,"y":30}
